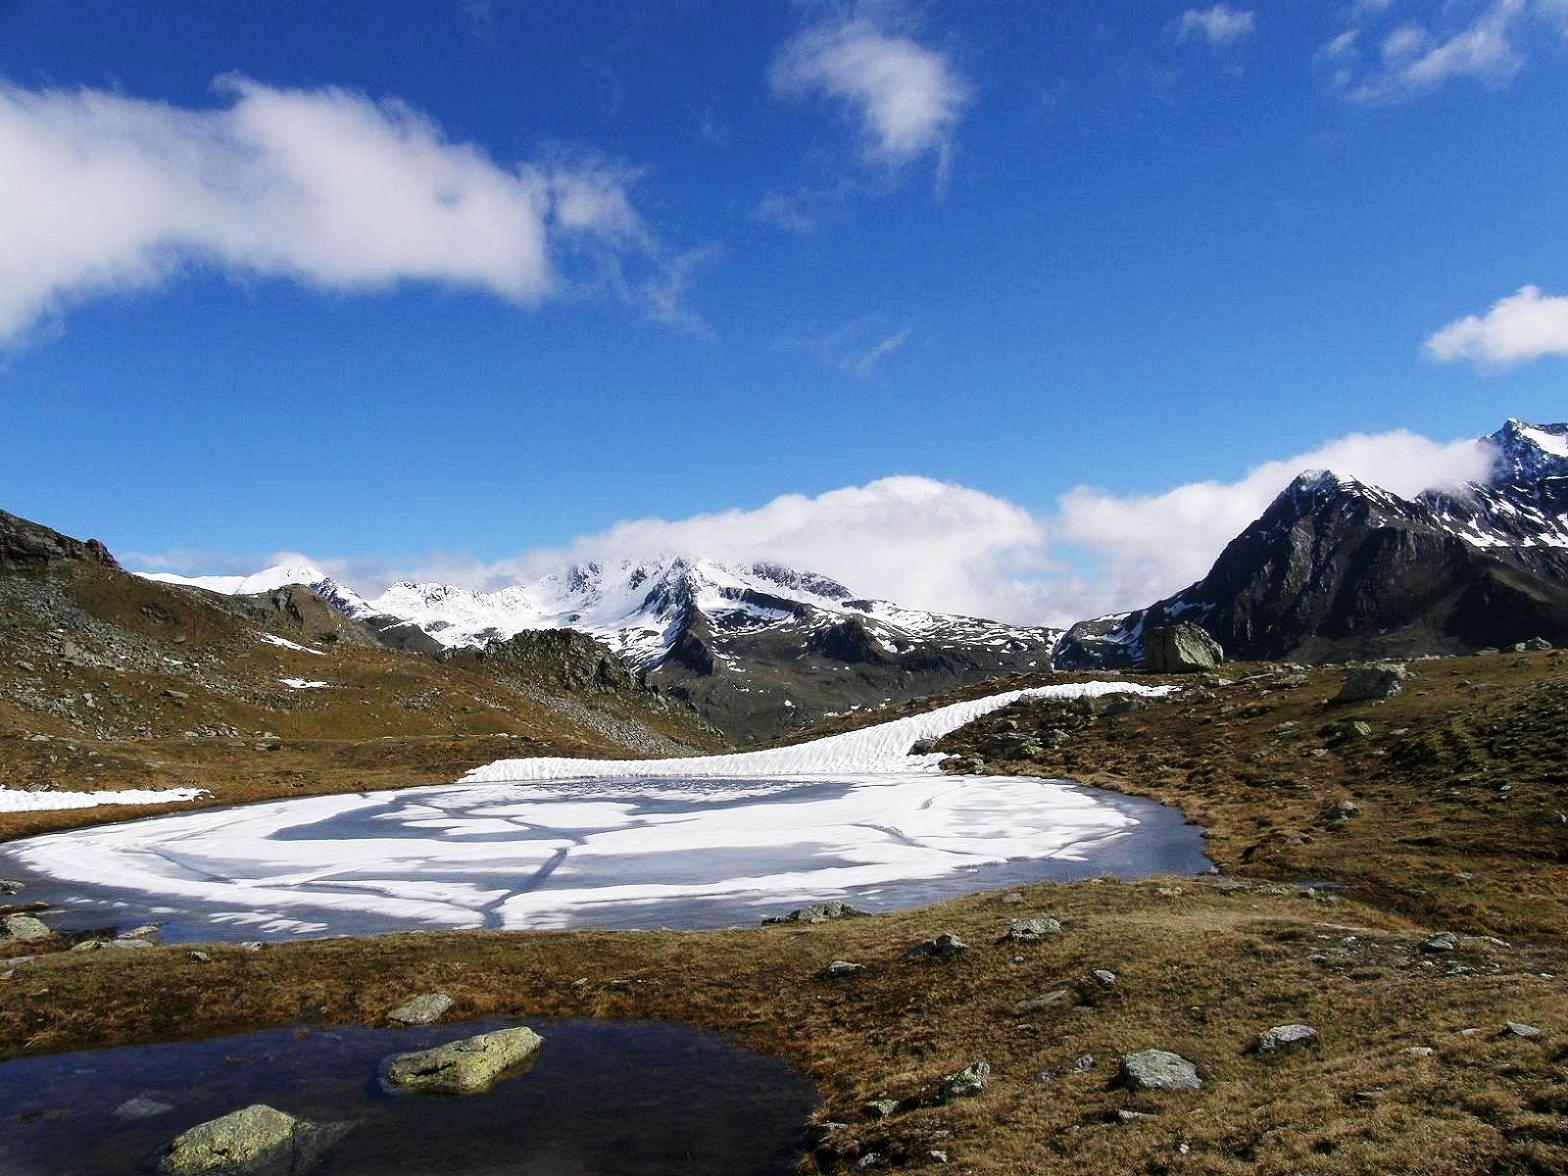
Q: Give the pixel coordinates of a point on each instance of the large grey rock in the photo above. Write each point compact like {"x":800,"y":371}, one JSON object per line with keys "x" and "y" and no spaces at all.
{"x":469,"y":1066}
{"x":1372,"y":683}
{"x":1180,"y":649}
{"x":25,"y":929}
{"x":1157,"y":1069}
{"x":256,"y":1141}
{"x":425,"y":1009}
{"x":1031,"y":930}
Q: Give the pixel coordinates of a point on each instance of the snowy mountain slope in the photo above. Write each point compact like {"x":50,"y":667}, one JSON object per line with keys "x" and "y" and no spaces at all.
{"x":759,"y":648}
{"x":1337,"y":568}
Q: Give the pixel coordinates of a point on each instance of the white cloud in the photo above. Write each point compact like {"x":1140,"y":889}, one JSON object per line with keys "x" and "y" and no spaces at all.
{"x":943,"y":546}
{"x":785,"y":212}
{"x":103,"y":194}
{"x":1486,"y":42}
{"x":1220,"y":26}
{"x":856,"y":348}
{"x":1517,"y":329}
{"x":908,"y":98}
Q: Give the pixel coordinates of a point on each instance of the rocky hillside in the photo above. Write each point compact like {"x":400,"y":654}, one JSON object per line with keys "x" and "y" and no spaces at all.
{"x":1337,"y":569}
{"x":94,"y":653}
{"x":760,"y":649}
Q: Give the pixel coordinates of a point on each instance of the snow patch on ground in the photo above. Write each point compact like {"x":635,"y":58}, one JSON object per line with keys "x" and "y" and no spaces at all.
{"x":15,"y":801}
{"x":285,"y":643}
{"x":303,"y":683}
{"x":882,"y":748}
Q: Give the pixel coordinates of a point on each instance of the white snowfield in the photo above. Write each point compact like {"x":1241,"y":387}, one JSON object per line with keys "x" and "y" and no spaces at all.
{"x":16,"y":801}
{"x":304,"y":683}
{"x":882,"y":748}
{"x":285,"y":643}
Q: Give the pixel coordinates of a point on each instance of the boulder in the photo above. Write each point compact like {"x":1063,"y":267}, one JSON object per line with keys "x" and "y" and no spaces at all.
{"x":256,"y":1141}
{"x":1181,"y":648}
{"x":425,"y":1009}
{"x":1031,"y":930}
{"x":1283,"y":1038}
{"x":469,"y":1066}
{"x":1157,"y":1069}
{"x":966,"y":1083}
{"x":944,"y":947}
{"x":1372,"y":683}
{"x":25,"y":929}
{"x":838,"y":969}
{"x":1442,"y":941}
{"x":1519,"y":1029}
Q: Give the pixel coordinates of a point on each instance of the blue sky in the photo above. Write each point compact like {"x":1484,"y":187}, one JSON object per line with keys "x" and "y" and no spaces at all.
{"x":433,"y":287}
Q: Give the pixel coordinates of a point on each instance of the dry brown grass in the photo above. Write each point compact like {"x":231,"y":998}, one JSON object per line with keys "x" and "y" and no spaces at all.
{"x":1201,"y":970}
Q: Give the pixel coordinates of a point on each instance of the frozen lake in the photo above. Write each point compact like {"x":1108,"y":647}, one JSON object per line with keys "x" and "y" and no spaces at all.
{"x":633,"y":852}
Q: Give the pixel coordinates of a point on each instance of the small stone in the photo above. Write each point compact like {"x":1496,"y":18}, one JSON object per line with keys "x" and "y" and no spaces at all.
{"x":1083,"y":1063}
{"x":1127,"y":1115}
{"x":1031,"y":930}
{"x":841,"y":968}
{"x":1057,"y":998}
{"x":198,"y":957}
{"x":1418,"y":1051}
{"x":1104,"y":977}
{"x":425,"y":1009}
{"x":145,"y":931}
{"x":1519,"y":1029}
{"x":1342,"y":810}
{"x":1283,"y":1038}
{"x":937,"y":1155}
{"x":870,"y":1160}
{"x":1013,"y":898}
{"x":250,"y":945}
{"x":1442,"y":941}
{"x":966,"y":1083}
{"x":881,"y":1108}
{"x":1157,"y":1069}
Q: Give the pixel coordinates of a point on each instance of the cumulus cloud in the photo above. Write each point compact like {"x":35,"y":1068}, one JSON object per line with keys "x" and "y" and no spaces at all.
{"x":943,"y":546}
{"x":1517,"y":329}
{"x":1220,"y":26}
{"x":906,"y":97}
{"x":1487,"y":42}
{"x":104,"y":194}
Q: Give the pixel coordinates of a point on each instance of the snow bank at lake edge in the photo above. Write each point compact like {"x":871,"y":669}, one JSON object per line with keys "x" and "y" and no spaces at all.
{"x":15,"y":801}
{"x":883,"y":747}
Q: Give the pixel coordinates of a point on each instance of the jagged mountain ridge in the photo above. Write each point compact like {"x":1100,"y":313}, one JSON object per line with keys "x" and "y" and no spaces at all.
{"x":1336,"y":568}
{"x":761,"y":648}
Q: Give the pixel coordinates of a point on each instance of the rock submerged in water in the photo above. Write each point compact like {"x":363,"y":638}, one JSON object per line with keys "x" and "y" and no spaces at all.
{"x":425,"y":1009}
{"x":256,"y":1141}
{"x":1181,"y":648}
{"x":1157,"y":1069}
{"x":469,"y":1066}
{"x":816,"y":912}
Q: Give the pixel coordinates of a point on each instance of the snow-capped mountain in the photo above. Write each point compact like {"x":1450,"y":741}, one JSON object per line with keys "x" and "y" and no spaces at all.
{"x":760,"y":647}
{"x":1337,"y":568}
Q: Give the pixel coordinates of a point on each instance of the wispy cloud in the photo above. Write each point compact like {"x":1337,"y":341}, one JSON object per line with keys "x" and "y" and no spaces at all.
{"x":905,"y":97}
{"x":856,"y":348}
{"x":1486,"y":42}
{"x":1516,"y":329}
{"x":102,"y":194}
{"x":1219,"y":27}
{"x":784,"y":211}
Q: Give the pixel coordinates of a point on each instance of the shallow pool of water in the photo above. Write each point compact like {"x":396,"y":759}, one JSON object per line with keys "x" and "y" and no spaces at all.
{"x":632,"y":853}
{"x":622,"y":1097}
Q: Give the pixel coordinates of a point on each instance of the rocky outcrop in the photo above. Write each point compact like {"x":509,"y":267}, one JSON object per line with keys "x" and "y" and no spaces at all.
{"x":469,"y":1066}
{"x":24,"y":544}
{"x":1180,"y":649}
{"x":256,"y":1141}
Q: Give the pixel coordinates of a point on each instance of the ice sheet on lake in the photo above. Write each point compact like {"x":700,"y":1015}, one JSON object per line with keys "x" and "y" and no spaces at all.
{"x":694,"y":842}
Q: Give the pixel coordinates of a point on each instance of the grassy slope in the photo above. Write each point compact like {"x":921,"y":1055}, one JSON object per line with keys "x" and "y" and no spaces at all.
{"x":1201,"y":968}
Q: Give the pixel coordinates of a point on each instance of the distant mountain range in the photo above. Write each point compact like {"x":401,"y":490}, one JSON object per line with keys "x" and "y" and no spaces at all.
{"x":1333,"y":569}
